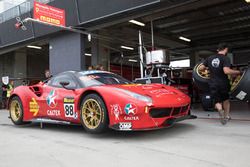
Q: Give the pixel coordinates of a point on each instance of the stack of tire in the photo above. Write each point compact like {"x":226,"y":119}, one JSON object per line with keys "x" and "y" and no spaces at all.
{"x":240,"y":88}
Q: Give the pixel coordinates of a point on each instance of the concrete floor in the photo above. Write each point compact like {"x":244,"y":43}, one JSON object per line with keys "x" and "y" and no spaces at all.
{"x":203,"y":142}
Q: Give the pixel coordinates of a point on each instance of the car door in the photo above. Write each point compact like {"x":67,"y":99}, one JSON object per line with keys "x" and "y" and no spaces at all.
{"x":60,"y":101}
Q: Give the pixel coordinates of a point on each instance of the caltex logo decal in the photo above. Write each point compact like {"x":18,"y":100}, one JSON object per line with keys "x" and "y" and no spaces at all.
{"x":130,"y":109}
{"x":51,"y":99}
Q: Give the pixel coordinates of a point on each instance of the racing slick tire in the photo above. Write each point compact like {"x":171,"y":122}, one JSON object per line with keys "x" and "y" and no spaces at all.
{"x":199,"y":79}
{"x":93,"y":114}
{"x":240,"y":89}
{"x":16,"y":111}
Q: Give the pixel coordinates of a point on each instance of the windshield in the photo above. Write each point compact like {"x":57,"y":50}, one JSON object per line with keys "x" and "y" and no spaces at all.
{"x":95,"y":79}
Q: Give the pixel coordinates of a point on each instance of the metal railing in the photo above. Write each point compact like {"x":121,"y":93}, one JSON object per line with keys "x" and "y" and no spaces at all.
{"x":19,"y":9}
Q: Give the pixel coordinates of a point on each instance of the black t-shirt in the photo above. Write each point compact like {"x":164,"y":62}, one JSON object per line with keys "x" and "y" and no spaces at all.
{"x":215,"y":65}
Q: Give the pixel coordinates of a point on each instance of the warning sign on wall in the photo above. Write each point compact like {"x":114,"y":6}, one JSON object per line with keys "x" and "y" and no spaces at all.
{"x":49,"y":14}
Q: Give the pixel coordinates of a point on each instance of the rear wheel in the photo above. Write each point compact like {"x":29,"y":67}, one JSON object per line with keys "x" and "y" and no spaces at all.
{"x":93,"y":114}
{"x":16,"y":111}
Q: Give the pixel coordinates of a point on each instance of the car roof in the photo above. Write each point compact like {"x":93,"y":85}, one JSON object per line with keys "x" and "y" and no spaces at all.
{"x":93,"y":72}
{"x":87,"y":72}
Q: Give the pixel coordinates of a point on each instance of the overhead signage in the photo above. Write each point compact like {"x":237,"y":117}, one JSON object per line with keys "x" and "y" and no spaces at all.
{"x":49,"y":14}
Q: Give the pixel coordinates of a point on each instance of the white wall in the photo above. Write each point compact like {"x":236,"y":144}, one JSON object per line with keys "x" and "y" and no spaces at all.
{"x":14,"y":2}
{"x":7,"y":4}
{"x":1,"y":6}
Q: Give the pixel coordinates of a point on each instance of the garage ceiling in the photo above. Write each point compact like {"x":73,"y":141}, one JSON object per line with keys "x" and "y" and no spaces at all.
{"x":206,"y":23}
{"x":226,"y":21}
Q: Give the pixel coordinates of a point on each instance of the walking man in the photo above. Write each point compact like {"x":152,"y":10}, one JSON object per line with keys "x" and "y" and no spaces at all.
{"x":219,"y":85}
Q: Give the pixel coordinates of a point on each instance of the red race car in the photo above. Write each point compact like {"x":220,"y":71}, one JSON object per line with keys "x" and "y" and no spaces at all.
{"x":98,"y":100}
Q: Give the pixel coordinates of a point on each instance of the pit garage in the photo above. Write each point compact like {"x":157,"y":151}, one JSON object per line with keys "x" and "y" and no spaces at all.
{"x":186,"y":32}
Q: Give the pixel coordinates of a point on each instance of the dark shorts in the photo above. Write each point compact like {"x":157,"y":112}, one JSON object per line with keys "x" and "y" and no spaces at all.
{"x":219,"y":92}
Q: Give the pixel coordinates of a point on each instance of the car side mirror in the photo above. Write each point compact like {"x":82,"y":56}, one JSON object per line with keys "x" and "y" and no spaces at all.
{"x":65,"y":85}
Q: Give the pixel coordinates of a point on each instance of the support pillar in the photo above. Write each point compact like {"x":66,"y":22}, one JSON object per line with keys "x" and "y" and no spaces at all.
{"x":20,"y":66}
{"x":193,"y":59}
{"x":67,"y":53}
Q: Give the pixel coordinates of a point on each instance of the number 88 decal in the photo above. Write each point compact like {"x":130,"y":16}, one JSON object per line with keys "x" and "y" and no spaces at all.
{"x":69,"y":110}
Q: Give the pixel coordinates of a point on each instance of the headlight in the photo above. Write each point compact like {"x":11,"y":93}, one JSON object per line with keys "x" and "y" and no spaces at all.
{"x":137,"y":96}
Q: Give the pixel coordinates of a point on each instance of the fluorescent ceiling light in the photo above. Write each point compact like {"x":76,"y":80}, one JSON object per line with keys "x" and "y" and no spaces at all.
{"x":34,"y":47}
{"x":185,"y":39}
{"x":248,"y":1}
{"x":127,"y":47}
{"x":88,"y":54}
{"x":89,"y":37}
{"x":132,"y":60}
{"x":137,"y":23}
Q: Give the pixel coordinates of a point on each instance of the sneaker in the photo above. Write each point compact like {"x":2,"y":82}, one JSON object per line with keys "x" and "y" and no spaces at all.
{"x":222,"y":117}
{"x":228,"y":118}
{"x":224,"y":121}
{"x":221,"y":113}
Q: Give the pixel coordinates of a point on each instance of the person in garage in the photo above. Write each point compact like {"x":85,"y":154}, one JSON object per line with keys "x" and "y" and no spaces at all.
{"x":47,"y":74}
{"x":219,"y":84}
{"x":99,"y":67}
{"x":4,"y":95}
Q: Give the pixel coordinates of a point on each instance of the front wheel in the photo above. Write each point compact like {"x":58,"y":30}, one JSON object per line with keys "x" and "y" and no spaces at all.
{"x":93,"y":114}
{"x":16,"y":111}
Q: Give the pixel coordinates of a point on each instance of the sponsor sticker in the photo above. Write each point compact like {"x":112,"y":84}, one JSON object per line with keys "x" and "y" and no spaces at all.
{"x":51,"y":99}
{"x":34,"y":107}
{"x":161,"y":92}
{"x":241,"y":95}
{"x":125,"y":126}
{"x":69,"y":108}
{"x":116,"y":110}
{"x":54,"y":112}
{"x":89,"y":77}
{"x":145,"y":87}
{"x":131,"y":111}
{"x":130,"y":85}
{"x":148,"y":87}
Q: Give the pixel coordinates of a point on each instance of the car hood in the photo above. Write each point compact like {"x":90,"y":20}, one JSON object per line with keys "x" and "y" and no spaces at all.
{"x":160,"y":94}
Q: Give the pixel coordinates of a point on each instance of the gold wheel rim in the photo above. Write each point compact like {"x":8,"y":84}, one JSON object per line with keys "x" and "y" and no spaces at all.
{"x":204,"y":75}
{"x":15,"y":110}
{"x":236,"y":82}
{"x":91,"y":113}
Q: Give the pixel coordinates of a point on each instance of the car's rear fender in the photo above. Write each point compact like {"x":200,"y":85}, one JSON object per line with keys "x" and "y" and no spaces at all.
{"x":24,"y":94}
{"x":19,"y":94}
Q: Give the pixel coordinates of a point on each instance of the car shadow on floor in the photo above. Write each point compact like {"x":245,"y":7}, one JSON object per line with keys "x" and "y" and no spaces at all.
{"x":175,"y":130}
